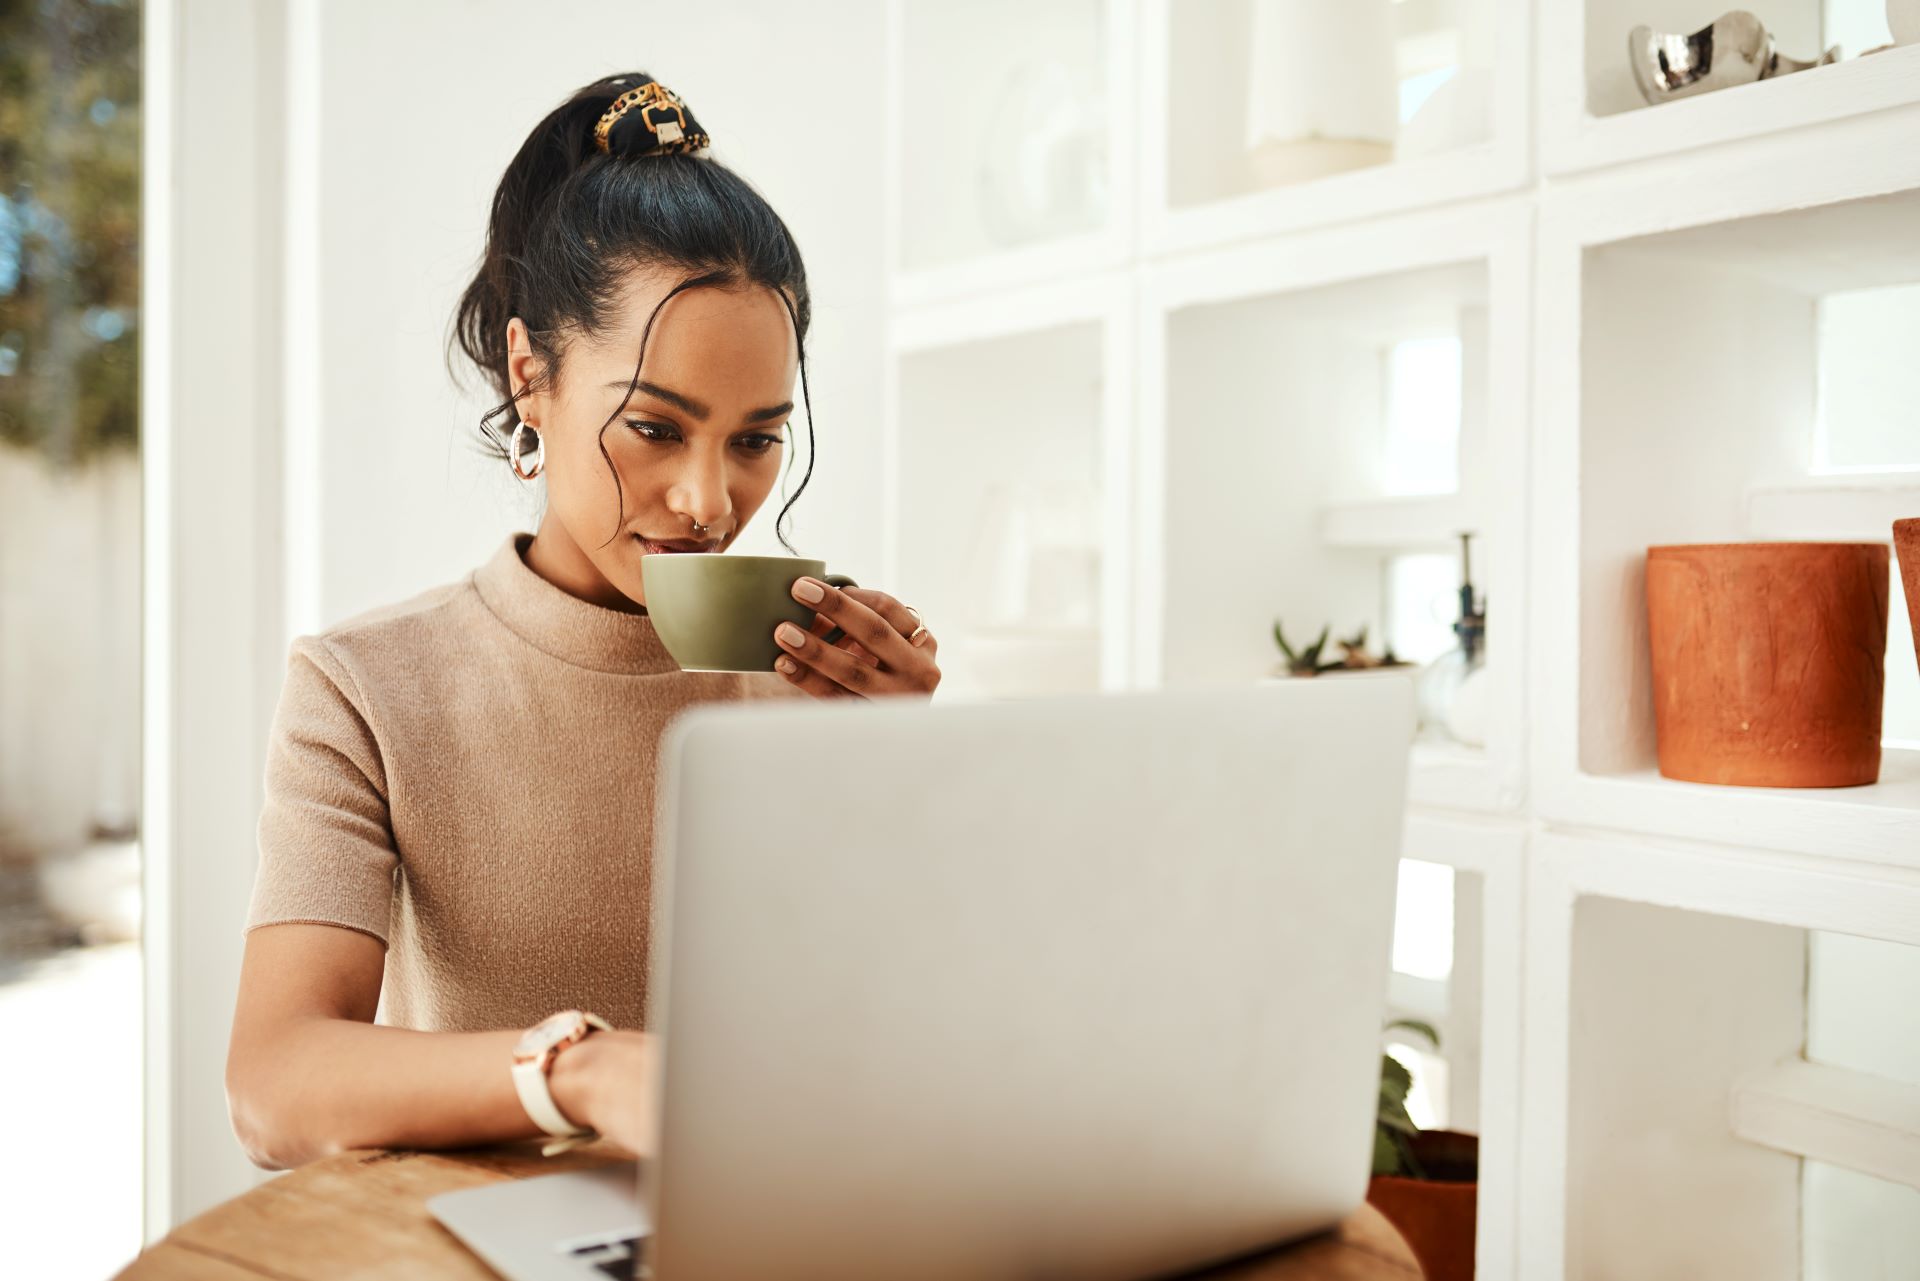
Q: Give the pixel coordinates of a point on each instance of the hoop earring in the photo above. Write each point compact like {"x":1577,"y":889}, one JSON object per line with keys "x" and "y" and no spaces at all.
{"x":514,"y":454}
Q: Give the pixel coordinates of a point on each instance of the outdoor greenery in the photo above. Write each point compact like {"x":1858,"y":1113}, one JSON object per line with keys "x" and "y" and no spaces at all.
{"x":69,"y":225}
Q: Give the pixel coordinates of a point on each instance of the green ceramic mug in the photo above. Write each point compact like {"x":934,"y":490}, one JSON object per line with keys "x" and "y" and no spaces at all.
{"x":716,"y":613}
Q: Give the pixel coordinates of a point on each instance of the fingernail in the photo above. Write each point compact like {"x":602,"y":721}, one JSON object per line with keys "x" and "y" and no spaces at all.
{"x":785,"y":666}
{"x":791,"y":635}
{"x":808,"y":591}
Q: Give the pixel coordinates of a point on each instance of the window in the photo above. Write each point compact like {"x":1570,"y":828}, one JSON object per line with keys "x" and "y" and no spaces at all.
{"x":70,"y":490}
{"x":1869,"y":410}
{"x":1423,"y":416}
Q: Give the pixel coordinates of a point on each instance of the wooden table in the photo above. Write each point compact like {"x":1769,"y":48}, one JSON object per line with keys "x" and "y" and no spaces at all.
{"x":362,"y":1215}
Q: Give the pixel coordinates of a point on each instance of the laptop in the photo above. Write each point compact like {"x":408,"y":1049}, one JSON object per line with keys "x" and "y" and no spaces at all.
{"x":1083,"y":988}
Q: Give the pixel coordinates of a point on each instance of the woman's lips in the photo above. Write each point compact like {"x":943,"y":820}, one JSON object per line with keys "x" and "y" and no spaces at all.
{"x":679,"y":546}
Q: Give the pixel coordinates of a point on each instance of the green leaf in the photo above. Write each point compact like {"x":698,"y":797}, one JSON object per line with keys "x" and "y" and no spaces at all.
{"x":1411,"y":1162}
{"x":1398,"y":1121}
{"x":1416,"y":1025}
{"x":1386,"y":1154}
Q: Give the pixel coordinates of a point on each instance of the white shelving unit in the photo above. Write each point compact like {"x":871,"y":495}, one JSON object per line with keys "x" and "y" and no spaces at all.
{"x":1678,"y":356}
{"x":1679,"y":1017}
{"x":1592,"y":114}
{"x":1198,"y":184}
{"x":1669,"y":1018}
{"x":1016,"y":475}
{"x":1262,"y":383}
{"x":964,"y":83}
{"x":1475,"y":1009}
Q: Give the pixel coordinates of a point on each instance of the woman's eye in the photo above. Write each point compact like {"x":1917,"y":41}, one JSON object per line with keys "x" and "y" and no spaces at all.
{"x":756,"y":444}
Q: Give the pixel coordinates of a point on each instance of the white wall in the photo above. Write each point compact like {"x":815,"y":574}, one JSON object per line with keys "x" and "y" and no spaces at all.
{"x":1227,"y":592}
{"x":1862,"y":1013}
{"x":212,"y":654}
{"x":950,"y":184}
{"x":392,"y":182}
{"x":1655,"y":369}
{"x":1669,"y":1008}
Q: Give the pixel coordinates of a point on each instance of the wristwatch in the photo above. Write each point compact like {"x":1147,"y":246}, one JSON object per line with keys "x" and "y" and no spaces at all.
{"x":533,"y":1059}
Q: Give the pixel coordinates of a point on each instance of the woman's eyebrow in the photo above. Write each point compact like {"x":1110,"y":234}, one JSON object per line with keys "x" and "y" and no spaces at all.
{"x":687,"y":404}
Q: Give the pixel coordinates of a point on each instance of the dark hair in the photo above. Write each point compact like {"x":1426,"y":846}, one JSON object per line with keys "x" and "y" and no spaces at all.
{"x":568,"y":222}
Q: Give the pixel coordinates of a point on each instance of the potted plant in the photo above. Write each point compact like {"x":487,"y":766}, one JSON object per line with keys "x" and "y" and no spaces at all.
{"x":1355,"y":656}
{"x":1906,"y":533}
{"x":1768,"y":662}
{"x":1424,"y":1181}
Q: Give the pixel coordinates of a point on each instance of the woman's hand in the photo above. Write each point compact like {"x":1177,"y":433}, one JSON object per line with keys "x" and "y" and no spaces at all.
{"x":606,"y":1083}
{"x":873,"y":660}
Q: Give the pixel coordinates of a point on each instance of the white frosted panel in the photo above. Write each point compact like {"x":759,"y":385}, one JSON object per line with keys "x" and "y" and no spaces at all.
{"x":1863,"y":1005}
{"x":1423,"y":416}
{"x":1858,"y":1228}
{"x":1423,"y":920}
{"x":1869,"y":380}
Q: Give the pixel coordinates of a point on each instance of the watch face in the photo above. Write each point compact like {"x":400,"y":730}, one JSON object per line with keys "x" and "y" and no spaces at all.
{"x":547,"y":1033}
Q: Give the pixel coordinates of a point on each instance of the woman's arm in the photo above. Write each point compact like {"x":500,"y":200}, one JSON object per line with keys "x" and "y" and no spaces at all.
{"x":309,"y":1074}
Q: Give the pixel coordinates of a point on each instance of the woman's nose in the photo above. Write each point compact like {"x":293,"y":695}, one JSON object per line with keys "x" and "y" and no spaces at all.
{"x":700,"y":493}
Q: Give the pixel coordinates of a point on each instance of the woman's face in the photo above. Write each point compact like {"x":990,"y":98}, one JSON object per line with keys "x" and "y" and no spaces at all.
{"x":701,"y":440}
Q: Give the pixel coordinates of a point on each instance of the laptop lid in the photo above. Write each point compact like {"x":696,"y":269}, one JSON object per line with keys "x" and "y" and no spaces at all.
{"x":1077,"y":988}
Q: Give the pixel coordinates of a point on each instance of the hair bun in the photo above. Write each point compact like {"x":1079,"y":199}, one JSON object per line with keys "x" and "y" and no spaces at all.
{"x":649,"y":120}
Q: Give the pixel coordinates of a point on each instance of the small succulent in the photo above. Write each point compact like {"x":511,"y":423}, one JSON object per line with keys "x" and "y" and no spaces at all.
{"x":1354,"y":656}
{"x":1305,"y":662}
{"x":1354,"y":652}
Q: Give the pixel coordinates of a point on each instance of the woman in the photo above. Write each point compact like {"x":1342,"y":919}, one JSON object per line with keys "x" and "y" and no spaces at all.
{"x":455,"y":844}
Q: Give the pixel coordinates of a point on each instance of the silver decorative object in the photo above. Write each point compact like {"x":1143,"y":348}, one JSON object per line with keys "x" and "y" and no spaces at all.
{"x":1736,"y":50}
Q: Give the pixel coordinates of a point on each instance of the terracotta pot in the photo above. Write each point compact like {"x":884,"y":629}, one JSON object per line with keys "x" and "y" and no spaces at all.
{"x":1435,"y":1214}
{"x":1769,"y":662}
{"x":1906,"y":540}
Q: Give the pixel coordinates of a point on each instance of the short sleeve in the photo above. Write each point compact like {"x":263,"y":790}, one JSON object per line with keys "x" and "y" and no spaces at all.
{"x":326,"y":843}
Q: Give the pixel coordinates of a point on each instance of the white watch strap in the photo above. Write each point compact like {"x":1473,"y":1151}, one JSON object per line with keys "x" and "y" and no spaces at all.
{"x":537,"y":1099}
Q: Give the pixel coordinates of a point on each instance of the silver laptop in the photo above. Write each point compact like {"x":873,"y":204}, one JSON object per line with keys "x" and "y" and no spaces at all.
{"x":1072,"y":988}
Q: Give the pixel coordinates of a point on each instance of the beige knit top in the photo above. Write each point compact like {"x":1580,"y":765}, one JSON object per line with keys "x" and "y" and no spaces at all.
{"x":468,"y":776}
